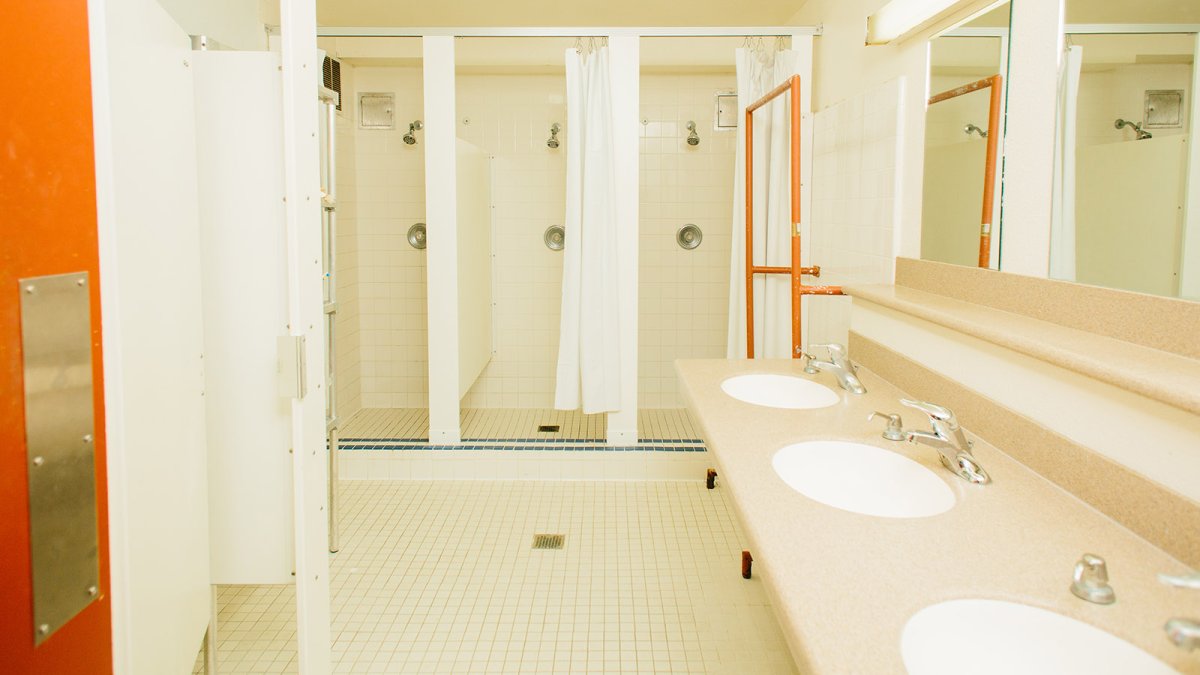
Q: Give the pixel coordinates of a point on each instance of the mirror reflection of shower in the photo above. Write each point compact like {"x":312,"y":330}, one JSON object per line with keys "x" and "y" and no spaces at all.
{"x":693,"y":138}
{"x":974,"y":129}
{"x":413,"y":127}
{"x":552,"y":142}
{"x":1136,"y":126}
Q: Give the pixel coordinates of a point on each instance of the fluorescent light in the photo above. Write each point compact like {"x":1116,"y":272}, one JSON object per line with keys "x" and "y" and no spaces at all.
{"x":899,"y":17}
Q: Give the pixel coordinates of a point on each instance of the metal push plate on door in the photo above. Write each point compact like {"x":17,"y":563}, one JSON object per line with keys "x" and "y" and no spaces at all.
{"x":56,"y":342}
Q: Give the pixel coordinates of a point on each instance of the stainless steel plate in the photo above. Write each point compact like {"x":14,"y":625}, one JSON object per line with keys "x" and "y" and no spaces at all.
{"x":416,"y":236}
{"x":555,"y":237}
{"x":56,"y":343}
{"x":689,"y":237}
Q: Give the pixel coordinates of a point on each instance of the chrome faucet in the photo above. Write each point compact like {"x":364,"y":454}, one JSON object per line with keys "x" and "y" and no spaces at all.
{"x":839,"y":364}
{"x":1183,"y":633}
{"x":950,"y":442}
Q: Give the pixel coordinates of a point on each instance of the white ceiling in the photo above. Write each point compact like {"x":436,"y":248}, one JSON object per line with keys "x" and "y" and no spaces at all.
{"x":551,"y":13}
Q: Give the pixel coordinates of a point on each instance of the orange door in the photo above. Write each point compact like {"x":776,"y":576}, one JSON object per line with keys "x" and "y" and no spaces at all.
{"x":47,"y":226}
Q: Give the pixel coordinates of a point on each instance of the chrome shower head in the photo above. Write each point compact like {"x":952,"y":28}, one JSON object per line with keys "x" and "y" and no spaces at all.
{"x":552,"y":142}
{"x":974,"y":129}
{"x":1137,"y":127}
{"x":410,"y":138}
{"x":693,"y":138}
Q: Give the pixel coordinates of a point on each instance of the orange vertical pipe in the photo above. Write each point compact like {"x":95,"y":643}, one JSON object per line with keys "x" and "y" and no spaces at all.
{"x":796,"y":271}
{"x":989,"y":174}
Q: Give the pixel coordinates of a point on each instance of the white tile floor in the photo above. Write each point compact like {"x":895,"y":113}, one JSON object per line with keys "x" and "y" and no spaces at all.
{"x":413,"y":423}
{"x":440,"y":577}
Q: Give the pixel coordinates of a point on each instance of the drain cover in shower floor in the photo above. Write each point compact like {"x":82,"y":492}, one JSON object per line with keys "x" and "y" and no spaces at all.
{"x":548,"y":428}
{"x":548,"y":541}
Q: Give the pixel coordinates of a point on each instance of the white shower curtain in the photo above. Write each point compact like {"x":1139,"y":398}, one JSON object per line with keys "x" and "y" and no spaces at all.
{"x":589,"y":373}
{"x":760,"y":70}
{"x":1062,"y":219}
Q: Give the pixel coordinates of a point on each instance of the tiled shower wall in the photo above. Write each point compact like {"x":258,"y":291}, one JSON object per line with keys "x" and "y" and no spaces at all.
{"x":856,"y":149}
{"x":509,"y":117}
{"x":390,"y":185}
{"x":683,"y":295}
{"x":348,"y":353}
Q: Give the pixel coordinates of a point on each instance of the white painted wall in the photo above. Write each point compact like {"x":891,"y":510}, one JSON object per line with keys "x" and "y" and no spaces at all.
{"x":1150,"y":437}
{"x":235,"y":24}
{"x":151,"y":299}
{"x":239,"y":146}
{"x":441,"y":216}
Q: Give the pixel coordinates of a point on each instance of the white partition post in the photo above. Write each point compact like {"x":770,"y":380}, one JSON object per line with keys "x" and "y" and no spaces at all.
{"x":625,"y":58}
{"x":441,"y":253}
{"x":1189,"y":262}
{"x":302,"y":186}
{"x":1035,"y":43}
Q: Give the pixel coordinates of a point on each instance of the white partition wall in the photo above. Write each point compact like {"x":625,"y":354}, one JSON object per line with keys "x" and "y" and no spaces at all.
{"x":239,"y":144}
{"x":153,"y":336}
{"x":474,"y":232}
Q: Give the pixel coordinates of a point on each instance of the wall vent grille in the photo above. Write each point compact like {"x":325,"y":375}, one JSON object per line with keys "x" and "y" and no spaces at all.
{"x":331,"y":72}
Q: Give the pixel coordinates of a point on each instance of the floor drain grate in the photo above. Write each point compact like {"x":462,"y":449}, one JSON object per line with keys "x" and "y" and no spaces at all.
{"x":548,"y":541}
{"x":548,"y":428}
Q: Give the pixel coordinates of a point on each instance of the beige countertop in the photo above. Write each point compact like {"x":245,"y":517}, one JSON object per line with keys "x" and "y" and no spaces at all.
{"x":843,"y":584}
{"x":1163,"y":376}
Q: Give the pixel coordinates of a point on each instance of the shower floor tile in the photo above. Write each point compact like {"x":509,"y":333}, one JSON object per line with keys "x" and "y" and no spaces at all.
{"x":441,"y":577}
{"x":509,"y":423}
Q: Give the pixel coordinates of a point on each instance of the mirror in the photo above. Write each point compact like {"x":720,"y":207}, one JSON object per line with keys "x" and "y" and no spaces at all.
{"x":960,"y":215}
{"x":1123,"y":162}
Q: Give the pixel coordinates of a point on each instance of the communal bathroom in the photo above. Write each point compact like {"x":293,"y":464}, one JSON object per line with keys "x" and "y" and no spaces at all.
{"x":784,"y":336}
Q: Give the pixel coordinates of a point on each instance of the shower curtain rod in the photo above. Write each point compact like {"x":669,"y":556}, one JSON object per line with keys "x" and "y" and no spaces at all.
{"x":561,"y":31}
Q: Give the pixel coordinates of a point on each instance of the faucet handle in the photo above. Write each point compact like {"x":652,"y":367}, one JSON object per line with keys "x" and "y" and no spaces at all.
{"x":835,"y":349}
{"x":1091,"y":580}
{"x":933,"y":410}
{"x":1191,"y":581}
{"x":895,"y":428}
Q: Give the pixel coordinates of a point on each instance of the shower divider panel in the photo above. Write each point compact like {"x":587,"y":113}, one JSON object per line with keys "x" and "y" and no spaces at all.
{"x":995,"y":82}
{"x":796,"y":271}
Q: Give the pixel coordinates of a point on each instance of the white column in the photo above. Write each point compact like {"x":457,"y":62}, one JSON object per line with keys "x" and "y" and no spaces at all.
{"x":625,"y":57}
{"x":1035,"y":48}
{"x":1189,"y":257}
{"x":301,"y":159}
{"x":441,"y":252}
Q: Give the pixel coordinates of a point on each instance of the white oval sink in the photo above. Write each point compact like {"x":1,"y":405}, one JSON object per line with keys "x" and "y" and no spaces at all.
{"x":985,"y":637}
{"x":779,"y":391}
{"x":863,"y":479}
